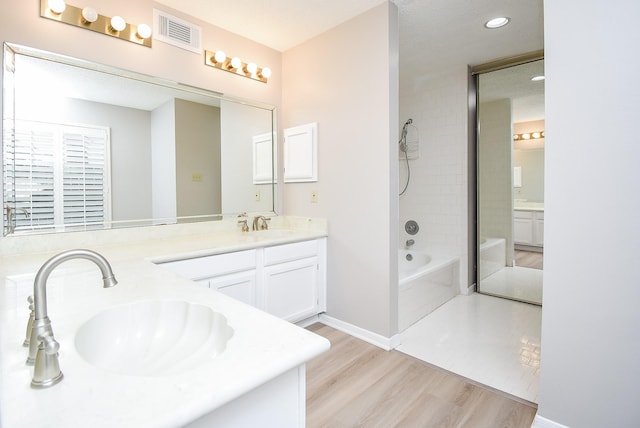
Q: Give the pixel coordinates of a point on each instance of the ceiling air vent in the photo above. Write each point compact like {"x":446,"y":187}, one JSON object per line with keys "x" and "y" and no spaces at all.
{"x":177,"y":32}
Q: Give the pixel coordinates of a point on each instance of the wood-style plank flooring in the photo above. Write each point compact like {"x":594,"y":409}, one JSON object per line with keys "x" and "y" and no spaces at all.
{"x":356,"y":384}
{"x":530,"y":259}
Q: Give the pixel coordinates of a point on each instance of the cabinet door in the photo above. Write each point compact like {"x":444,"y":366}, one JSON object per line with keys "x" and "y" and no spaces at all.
{"x":291,"y":289}
{"x":539,"y":231}
{"x":241,"y":286}
{"x":523,"y":231}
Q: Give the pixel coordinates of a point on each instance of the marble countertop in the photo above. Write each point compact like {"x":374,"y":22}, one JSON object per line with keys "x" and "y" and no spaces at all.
{"x":261,"y":348}
{"x":528,"y":206}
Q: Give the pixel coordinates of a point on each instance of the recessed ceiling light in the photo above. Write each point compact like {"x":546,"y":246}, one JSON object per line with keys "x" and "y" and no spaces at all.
{"x":537,"y":78}
{"x":497,"y":22}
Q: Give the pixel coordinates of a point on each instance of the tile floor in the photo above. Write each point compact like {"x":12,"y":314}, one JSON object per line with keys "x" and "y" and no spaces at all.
{"x":520,"y":283}
{"x":487,"y":339}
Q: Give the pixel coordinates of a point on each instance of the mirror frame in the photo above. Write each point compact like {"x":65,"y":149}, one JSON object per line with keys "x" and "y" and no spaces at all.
{"x":16,"y":49}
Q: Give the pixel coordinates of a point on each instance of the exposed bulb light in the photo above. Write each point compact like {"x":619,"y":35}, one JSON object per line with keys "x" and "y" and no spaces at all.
{"x":144,"y":31}
{"x":89,"y":15}
{"x":537,"y":78}
{"x":220,"y":57}
{"x":57,"y":6}
{"x":236,"y":62}
{"x":118,"y":23}
{"x":265,"y":72}
{"x":528,"y":136}
{"x":251,"y":68}
{"x":497,"y":22}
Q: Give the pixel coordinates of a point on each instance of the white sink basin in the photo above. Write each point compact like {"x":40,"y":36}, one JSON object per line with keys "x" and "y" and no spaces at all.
{"x":153,"y":338}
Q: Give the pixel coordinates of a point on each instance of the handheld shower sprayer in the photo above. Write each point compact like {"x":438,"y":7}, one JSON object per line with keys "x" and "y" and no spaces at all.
{"x":404,"y":148}
{"x":403,"y":136}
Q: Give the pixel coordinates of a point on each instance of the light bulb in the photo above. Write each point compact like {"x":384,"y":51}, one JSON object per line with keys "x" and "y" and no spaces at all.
{"x":89,"y":15}
{"x":537,"y":78}
{"x":220,"y":57}
{"x":144,"y":31}
{"x":118,"y":23}
{"x":526,"y":136}
{"x":266,"y":72}
{"x":535,"y":135}
{"x":236,"y":62}
{"x":57,"y":6}
{"x":516,"y":137}
{"x":251,"y":68}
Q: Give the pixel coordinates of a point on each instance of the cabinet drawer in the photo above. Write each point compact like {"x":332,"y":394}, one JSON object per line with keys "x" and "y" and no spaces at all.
{"x":288,"y":252}
{"x":522,"y":214}
{"x":220,"y":264}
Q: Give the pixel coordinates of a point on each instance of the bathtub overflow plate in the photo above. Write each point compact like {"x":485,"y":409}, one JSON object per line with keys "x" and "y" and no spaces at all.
{"x":411,"y":227}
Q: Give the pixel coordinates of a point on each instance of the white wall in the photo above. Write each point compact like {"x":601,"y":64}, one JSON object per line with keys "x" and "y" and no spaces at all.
{"x":163,"y":161}
{"x":590,"y":341}
{"x":346,"y":80}
{"x":437,"y":194}
{"x":197,"y":152}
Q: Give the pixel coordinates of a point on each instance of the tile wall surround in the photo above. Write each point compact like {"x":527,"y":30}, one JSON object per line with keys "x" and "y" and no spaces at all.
{"x":437,"y":194}
{"x":43,"y":243}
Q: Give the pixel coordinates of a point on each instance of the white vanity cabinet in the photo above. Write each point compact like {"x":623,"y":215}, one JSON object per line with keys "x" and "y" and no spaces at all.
{"x":288,"y":280}
{"x":233,"y":274}
{"x":528,"y":228}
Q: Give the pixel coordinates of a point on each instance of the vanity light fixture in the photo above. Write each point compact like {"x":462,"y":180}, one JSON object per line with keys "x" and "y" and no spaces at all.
{"x":498,"y":22}
{"x":528,"y":136}
{"x":57,"y":6}
{"x":537,"y":78}
{"x":220,"y":60}
{"x":89,"y":15}
{"x":118,"y":23}
{"x":88,"y":18}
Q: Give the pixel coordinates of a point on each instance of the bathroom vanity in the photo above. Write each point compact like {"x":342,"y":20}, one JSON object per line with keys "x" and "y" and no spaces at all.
{"x":258,"y":282}
{"x":528,"y":224}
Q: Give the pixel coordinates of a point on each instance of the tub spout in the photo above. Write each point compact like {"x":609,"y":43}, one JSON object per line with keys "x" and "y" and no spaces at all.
{"x":409,"y":243}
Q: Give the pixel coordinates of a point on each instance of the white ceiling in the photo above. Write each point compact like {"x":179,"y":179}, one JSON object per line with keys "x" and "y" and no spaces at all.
{"x":435,"y":35}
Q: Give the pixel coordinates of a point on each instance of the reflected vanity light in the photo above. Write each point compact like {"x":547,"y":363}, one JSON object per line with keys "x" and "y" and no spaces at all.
{"x":220,"y":60}
{"x":528,"y":136}
{"x":537,"y":78}
{"x":89,"y":19}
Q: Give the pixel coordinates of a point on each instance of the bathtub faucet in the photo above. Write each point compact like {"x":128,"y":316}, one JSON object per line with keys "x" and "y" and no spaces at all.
{"x":410,"y":242}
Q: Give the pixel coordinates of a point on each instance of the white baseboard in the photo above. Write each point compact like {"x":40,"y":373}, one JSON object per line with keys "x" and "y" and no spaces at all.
{"x":540,"y":422}
{"x":308,"y":321}
{"x":386,"y":343}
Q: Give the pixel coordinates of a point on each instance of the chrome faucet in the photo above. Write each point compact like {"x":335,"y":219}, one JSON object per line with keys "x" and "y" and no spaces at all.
{"x":409,"y":243}
{"x":243,"y":221}
{"x":257,"y":225}
{"x":11,"y":217}
{"x":43,"y":348}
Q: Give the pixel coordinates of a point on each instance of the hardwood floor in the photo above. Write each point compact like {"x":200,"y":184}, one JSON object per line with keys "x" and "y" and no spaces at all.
{"x":356,"y":384}
{"x":530,"y":259}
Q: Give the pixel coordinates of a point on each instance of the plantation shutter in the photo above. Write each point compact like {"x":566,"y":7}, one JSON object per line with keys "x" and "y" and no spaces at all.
{"x":84,"y":179}
{"x":61,"y":176}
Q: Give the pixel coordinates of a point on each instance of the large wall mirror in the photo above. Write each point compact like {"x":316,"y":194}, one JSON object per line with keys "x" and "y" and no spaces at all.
{"x":87,"y":147}
{"x":510,"y":179}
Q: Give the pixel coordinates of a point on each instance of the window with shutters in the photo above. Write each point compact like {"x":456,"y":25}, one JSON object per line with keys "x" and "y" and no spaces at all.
{"x":60,"y":177}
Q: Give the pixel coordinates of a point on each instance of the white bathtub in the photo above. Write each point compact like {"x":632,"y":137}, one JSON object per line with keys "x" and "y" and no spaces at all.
{"x":493,"y":256}
{"x":424,"y":284}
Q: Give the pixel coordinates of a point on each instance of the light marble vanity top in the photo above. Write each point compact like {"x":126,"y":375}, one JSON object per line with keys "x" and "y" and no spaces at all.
{"x":261,"y":348}
{"x":528,"y":206}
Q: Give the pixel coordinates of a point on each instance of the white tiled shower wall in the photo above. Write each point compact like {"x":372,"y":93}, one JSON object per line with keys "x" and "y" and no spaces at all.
{"x":437,"y":194}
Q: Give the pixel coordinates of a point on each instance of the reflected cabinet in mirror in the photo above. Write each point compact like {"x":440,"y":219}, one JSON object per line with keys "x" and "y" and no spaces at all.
{"x":86,"y":146}
{"x":510,"y":177}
